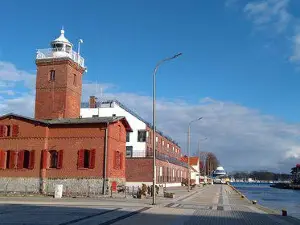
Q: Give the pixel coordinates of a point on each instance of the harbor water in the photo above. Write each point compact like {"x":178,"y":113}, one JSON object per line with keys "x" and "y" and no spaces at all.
{"x":272,"y":198}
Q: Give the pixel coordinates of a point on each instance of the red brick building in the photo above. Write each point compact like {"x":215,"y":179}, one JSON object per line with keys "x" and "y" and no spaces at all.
{"x":57,"y":146}
{"x":170,"y":170}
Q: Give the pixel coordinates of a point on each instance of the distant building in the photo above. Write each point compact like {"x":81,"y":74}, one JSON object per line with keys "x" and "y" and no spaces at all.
{"x":139,"y":154}
{"x":195,"y":167}
{"x":57,"y":146}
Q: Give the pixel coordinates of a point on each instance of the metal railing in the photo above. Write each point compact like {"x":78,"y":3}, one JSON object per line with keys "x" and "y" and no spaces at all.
{"x":54,"y":53}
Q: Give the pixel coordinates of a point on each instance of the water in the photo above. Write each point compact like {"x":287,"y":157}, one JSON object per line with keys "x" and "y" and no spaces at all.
{"x":272,"y":198}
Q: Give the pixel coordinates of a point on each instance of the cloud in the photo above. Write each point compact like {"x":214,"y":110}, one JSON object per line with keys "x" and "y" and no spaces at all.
{"x":10,"y":75}
{"x":241,"y":137}
{"x":295,"y":57}
{"x":274,"y":15}
{"x":269,"y":13}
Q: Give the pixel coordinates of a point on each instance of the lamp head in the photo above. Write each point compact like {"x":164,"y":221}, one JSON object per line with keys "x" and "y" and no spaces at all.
{"x":177,"y":55}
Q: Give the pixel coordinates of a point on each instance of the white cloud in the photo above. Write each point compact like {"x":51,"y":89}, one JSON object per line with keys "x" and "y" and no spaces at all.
{"x":241,"y":137}
{"x":10,"y":75}
{"x":295,"y":57}
{"x":269,"y":13}
{"x":274,"y":15}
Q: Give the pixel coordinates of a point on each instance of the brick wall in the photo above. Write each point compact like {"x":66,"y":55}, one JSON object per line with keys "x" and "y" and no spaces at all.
{"x":116,"y":143}
{"x":162,"y":145}
{"x":70,"y":139}
{"x":59,"y":98}
{"x":141,"y":170}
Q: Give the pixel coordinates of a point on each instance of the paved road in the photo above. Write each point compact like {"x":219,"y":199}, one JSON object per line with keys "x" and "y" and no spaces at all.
{"x":215,"y":205}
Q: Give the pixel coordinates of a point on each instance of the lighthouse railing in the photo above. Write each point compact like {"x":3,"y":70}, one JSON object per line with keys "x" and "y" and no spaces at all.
{"x":53,"y":53}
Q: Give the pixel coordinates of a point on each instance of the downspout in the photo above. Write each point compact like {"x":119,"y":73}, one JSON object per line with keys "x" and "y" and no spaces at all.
{"x":105,"y":160}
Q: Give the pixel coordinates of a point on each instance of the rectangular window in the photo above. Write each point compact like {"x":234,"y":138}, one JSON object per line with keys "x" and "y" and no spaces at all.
{"x":156,"y":139}
{"x":53,"y":159}
{"x":141,"y":136}
{"x":129,"y":151}
{"x":52,"y":75}
{"x":74,"y":80}
{"x":163,"y":143}
{"x":86,"y":162}
{"x":173,"y":148}
{"x":8,"y":159}
{"x":127,"y":136}
{"x":86,"y":159}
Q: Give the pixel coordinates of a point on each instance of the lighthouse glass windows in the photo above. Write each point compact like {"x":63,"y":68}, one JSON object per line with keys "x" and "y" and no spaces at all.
{"x":58,"y":46}
{"x":68,"y":48}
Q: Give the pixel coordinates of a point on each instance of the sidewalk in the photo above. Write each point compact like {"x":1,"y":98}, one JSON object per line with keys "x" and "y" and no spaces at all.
{"x":117,"y":198}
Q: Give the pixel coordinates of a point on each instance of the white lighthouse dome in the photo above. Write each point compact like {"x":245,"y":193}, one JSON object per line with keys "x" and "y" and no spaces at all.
{"x":61,"y":46}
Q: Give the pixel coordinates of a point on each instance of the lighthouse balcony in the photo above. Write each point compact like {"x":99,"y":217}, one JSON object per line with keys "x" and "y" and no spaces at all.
{"x":56,"y":53}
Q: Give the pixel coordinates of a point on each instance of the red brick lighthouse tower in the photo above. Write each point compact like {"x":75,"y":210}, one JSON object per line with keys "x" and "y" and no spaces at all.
{"x":58,"y":81}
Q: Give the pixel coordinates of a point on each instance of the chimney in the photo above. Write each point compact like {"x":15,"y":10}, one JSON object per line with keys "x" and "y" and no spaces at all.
{"x":93,"y":103}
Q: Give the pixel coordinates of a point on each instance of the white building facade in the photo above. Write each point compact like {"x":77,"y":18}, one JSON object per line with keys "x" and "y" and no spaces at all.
{"x":135,"y":141}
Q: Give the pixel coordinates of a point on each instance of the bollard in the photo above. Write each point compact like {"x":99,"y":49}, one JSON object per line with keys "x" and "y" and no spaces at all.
{"x":254,"y":202}
{"x":111,"y":191}
{"x":284,"y":212}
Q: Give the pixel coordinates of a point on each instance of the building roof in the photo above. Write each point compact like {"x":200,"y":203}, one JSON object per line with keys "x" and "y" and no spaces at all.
{"x":98,"y":104}
{"x":66,"y":121}
{"x":193,"y":160}
{"x":61,"y":38}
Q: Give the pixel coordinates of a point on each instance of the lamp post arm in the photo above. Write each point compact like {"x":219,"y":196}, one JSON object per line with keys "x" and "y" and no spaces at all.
{"x":154,"y":121}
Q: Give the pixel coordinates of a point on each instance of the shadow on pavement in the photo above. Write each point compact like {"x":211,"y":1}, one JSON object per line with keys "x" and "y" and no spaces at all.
{"x":19,"y":214}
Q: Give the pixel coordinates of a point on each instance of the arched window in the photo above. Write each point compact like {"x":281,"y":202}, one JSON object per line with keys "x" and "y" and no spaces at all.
{"x":52,"y":75}
{"x":118,"y":160}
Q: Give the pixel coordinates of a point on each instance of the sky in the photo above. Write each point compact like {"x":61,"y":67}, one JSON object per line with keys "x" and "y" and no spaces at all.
{"x":239,"y":69}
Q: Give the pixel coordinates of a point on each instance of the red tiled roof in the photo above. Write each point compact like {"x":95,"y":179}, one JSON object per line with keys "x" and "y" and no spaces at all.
{"x":193,"y":160}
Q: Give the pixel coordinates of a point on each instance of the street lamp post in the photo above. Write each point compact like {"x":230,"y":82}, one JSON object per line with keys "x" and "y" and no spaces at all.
{"x":189,"y":139}
{"x":154,"y":121}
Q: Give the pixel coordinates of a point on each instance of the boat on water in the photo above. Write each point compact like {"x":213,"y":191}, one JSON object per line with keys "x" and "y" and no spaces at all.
{"x":220,"y":176}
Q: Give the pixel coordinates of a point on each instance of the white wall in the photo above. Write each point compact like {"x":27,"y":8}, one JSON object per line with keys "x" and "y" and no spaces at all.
{"x":139,"y":148}
{"x":196,"y":175}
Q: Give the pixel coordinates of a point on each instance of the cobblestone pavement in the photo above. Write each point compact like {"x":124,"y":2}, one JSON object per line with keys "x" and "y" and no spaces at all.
{"x":211,"y":205}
